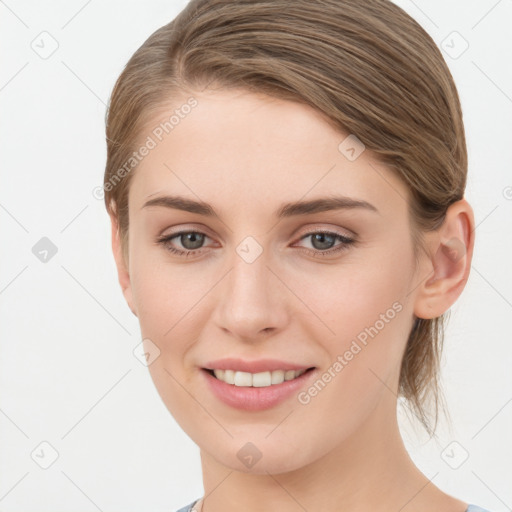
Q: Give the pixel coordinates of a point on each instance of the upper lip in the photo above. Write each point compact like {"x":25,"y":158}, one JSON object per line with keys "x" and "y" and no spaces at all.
{"x":257,"y":366}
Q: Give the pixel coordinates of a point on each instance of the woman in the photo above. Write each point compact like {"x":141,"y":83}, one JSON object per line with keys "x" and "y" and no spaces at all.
{"x":285,"y":182}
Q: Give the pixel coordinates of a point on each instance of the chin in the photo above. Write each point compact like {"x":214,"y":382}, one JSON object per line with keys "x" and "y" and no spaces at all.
{"x":257,"y":454}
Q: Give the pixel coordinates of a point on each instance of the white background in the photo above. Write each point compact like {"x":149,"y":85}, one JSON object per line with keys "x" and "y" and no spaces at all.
{"x":68,"y":375}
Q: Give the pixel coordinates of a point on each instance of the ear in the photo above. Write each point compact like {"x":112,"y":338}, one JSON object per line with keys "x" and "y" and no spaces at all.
{"x":121,"y":264}
{"x":451,"y":252}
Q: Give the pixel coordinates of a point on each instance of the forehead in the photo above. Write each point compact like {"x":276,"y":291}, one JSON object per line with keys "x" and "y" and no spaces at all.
{"x":252,"y":150}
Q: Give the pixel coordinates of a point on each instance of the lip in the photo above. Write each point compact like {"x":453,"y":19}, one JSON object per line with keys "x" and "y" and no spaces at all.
{"x":256,"y":398}
{"x":257,"y":366}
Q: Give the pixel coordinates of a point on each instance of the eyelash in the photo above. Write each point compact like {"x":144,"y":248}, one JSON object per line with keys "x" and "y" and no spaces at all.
{"x":346,"y":243}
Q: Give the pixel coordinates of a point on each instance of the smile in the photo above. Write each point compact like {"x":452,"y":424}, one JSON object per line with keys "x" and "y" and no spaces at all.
{"x":257,"y":380}
{"x":256,"y":391}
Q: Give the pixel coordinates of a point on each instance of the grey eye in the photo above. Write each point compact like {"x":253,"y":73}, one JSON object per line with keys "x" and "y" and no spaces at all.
{"x":192,"y":240}
{"x":322,"y":240}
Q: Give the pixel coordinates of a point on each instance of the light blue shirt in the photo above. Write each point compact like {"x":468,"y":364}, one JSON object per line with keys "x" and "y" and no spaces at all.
{"x":471,"y":508}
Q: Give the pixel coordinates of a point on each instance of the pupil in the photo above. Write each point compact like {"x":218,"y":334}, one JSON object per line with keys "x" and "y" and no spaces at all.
{"x":192,"y":240}
{"x":321,"y":238}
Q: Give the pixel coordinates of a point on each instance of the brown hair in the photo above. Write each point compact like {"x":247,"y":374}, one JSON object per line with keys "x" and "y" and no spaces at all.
{"x":368,"y":66}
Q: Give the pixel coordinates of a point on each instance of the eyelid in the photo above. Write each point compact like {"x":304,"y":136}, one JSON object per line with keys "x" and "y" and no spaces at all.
{"x":201,"y":228}
{"x":345,"y":242}
{"x":346,"y":233}
{"x":187,"y":228}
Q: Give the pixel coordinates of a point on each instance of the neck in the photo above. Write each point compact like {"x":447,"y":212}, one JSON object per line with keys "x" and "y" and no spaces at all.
{"x":371,"y":470}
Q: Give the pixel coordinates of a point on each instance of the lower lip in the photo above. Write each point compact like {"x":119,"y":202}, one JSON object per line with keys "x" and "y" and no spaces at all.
{"x":254,"y":398}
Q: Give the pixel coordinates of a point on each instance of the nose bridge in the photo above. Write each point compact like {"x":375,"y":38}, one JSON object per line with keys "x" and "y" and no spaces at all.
{"x":250,"y":301}
{"x":248,"y":279}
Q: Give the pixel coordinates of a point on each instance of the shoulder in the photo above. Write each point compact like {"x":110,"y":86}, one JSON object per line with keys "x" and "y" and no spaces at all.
{"x":190,"y":505}
{"x":471,"y":508}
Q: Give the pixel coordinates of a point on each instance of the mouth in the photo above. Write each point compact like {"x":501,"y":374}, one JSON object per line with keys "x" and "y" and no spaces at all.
{"x":257,"y":391}
{"x":256,"y":380}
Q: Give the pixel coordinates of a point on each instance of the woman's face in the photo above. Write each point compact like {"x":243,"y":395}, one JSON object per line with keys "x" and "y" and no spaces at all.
{"x":259,"y":284}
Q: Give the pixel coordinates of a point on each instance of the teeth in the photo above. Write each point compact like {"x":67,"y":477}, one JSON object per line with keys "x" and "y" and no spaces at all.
{"x":257,"y":380}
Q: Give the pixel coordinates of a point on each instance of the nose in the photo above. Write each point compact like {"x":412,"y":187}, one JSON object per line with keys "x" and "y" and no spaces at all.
{"x":252,"y":300}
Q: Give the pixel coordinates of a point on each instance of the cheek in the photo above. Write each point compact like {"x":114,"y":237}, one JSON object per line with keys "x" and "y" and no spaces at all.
{"x":172,"y":304}
{"x":363,"y":357}
{"x":350,"y":298}
{"x":364,"y":306}
{"x":163,"y":293}
{"x":170,"y":314}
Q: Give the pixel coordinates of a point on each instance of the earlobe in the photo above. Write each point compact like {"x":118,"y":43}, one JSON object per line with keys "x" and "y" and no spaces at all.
{"x":451,"y":249}
{"x":121,"y":264}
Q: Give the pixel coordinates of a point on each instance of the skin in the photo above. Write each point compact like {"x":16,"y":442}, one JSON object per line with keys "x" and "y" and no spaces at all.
{"x":246,"y":155}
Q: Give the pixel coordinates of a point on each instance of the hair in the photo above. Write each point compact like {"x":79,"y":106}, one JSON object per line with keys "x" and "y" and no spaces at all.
{"x":369,"y":67}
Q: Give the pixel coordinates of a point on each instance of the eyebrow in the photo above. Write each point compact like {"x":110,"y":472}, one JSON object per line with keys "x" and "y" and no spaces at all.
{"x":323,"y":204}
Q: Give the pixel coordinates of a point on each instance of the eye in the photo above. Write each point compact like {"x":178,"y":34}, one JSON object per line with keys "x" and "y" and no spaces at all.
{"x":323,"y":243}
{"x":191,"y":241}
